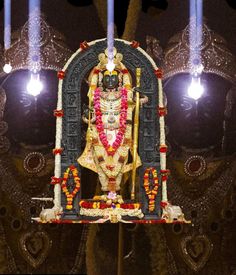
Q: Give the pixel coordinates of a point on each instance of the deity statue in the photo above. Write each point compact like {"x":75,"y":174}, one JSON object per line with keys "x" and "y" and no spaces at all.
{"x":110,"y":124}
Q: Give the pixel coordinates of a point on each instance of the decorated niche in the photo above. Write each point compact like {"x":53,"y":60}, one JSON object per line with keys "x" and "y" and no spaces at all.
{"x":110,"y":121}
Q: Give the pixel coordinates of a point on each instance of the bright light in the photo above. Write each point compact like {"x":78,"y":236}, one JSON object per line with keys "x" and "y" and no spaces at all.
{"x":195,"y":89}
{"x":7,"y":68}
{"x":34,"y":87}
{"x":110,"y":66}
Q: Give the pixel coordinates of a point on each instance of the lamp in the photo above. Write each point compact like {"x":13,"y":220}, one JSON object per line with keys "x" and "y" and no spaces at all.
{"x":35,"y":86}
{"x":195,"y":89}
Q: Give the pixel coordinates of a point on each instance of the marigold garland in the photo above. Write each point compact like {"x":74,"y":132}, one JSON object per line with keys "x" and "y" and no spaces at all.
{"x":151,"y":193}
{"x":70,"y":196}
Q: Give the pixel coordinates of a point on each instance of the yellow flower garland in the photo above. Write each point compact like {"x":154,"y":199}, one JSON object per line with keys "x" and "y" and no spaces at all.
{"x":70,"y":196}
{"x":151,"y":194}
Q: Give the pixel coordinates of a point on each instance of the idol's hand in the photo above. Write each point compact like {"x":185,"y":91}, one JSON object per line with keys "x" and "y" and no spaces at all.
{"x":142,"y":98}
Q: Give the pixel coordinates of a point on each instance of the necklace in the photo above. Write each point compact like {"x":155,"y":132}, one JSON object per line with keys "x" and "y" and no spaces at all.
{"x":111,"y":149}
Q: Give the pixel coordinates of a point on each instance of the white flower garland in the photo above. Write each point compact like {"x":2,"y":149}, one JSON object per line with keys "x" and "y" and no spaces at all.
{"x":110,"y":211}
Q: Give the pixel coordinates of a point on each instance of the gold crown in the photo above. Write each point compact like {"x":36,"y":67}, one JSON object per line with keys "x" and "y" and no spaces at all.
{"x":100,"y":70}
{"x":103,"y":59}
{"x":215,"y":56}
{"x":53,"y":52}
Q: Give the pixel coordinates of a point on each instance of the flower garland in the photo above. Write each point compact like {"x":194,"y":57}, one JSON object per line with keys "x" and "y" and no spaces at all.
{"x":103,"y":205}
{"x":111,"y":149}
{"x":151,"y":193}
{"x":70,"y":196}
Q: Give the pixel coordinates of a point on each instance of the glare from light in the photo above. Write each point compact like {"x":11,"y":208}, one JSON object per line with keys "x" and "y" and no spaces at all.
{"x":7,"y":24}
{"x":197,"y":70}
{"x":110,"y":66}
{"x":34,"y":86}
{"x":7,"y":68}
{"x":110,"y":35}
{"x":195,"y":89}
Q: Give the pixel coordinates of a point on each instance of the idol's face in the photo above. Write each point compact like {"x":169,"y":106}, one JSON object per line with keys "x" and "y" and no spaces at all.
{"x":196,"y":123}
{"x":110,"y":81}
{"x":30,"y":119}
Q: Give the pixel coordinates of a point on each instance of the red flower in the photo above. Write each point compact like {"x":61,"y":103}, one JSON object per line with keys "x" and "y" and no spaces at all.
{"x":134,"y":44}
{"x":124,"y":71}
{"x":162,"y":111}
{"x":61,"y":74}
{"x":57,"y":151}
{"x":163,"y":149}
{"x":58,"y":113}
{"x":159,"y":73}
{"x":84,"y":45}
{"x":96,"y":71}
{"x":163,"y":204}
{"x":55,"y":180}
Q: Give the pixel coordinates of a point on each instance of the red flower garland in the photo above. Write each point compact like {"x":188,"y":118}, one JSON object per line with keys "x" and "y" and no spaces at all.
{"x":151,"y":193}
{"x":111,"y":149}
{"x":103,"y":205}
{"x":70,"y":196}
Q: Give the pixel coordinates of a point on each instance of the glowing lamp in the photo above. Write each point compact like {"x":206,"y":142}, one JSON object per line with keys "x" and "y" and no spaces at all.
{"x":7,"y":68}
{"x":34,"y":86}
{"x":110,"y":66}
{"x":195,"y":89}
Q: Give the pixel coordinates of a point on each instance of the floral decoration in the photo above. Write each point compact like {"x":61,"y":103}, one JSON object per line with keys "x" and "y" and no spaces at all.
{"x":162,"y":111}
{"x":151,"y":193}
{"x":61,"y":74}
{"x":103,"y":205}
{"x":55,"y":180}
{"x":134,"y":44}
{"x":58,"y":113}
{"x":57,"y":151}
{"x":70,"y":196}
{"x":159,"y":73}
{"x":84,"y":45}
{"x":111,"y":149}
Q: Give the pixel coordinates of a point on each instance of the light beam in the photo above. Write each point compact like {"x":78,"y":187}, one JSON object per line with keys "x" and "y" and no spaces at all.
{"x":110,"y":35}
{"x":34,"y":36}
{"x":7,"y":24}
{"x":7,"y":32}
{"x":195,"y":35}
